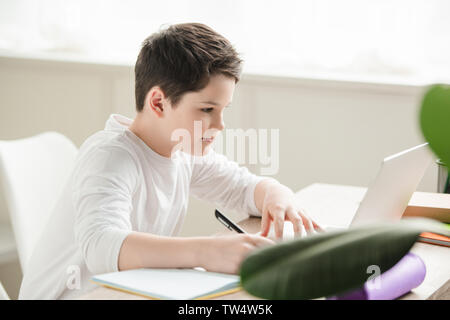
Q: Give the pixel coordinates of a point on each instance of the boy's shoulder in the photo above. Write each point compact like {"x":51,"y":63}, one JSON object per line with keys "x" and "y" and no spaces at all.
{"x":106,"y":139}
{"x":105,"y":159}
{"x":110,"y":144}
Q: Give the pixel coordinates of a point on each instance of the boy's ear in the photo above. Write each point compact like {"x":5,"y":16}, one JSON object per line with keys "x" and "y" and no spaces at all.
{"x":156,"y":101}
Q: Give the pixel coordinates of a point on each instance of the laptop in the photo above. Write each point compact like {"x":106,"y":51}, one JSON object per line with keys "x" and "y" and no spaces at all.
{"x":385,"y":199}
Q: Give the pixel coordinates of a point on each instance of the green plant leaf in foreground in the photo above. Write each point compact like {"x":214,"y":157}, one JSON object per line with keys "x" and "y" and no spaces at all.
{"x":434,"y":120}
{"x":330,"y":263}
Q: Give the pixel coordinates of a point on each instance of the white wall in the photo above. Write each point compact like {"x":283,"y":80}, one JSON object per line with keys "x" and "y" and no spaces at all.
{"x":330,"y":131}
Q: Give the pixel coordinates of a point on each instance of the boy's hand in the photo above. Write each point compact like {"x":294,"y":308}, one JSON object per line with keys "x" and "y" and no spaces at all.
{"x":278,"y":206}
{"x":226,"y":253}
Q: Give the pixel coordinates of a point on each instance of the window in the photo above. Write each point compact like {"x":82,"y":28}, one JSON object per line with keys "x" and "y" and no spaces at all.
{"x":401,"y":38}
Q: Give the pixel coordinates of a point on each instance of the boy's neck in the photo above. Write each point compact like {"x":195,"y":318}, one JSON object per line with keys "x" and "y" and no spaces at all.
{"x":152,"y":135}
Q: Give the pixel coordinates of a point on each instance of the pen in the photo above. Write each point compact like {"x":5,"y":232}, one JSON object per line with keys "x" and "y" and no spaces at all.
{"x":228,"y":223}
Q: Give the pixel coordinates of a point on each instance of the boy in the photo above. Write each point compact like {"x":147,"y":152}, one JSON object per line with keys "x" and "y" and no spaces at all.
{"x":126,"y":199}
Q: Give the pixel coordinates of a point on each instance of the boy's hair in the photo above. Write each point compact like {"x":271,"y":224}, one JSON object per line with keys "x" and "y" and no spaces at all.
{"x":182,"y":58}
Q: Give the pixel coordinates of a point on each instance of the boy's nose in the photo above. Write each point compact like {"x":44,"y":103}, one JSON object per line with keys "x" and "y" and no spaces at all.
{"x":219,"y":124}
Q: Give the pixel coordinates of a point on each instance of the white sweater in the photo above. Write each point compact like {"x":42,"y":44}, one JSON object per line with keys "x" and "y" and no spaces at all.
{"x":120,"y":185}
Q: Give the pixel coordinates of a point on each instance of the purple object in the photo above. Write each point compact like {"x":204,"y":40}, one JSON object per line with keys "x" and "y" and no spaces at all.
{"x":406,"y":275}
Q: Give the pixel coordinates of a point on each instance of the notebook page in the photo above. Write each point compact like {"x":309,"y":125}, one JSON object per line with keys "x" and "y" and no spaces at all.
{"x":178,"y":284}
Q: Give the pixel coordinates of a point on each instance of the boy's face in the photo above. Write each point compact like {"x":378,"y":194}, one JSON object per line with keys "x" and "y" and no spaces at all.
{"x":199,"y":115}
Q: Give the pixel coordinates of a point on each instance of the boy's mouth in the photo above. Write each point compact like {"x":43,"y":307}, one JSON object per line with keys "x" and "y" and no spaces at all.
{"x":207,"y":140}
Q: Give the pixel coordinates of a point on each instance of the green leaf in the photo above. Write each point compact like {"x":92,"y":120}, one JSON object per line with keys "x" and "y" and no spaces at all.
{"x":330,"y":263}
{"x":435,"y":119}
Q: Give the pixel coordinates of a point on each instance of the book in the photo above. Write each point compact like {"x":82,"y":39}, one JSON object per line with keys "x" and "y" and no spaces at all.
{"x":170,"y":284}
{"x":433,"y":238}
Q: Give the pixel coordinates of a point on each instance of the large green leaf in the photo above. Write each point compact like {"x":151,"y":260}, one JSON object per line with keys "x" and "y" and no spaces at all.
{"x":435,"y":120}
{"x":330,"y":263}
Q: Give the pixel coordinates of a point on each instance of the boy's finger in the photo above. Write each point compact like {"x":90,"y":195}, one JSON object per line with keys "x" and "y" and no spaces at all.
{"x":265,"y":224}
{"x":314,"y":224}
{"x":296,"y":221}
{"x":317,"y":226}
{"x":278,"y":215}
{"x":306,"y":222}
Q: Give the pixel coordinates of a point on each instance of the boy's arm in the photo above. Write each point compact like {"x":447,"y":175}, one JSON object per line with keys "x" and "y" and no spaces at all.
{"x":102,"y":197}
{"x":225,"y":183}
{"x":218,"y":254}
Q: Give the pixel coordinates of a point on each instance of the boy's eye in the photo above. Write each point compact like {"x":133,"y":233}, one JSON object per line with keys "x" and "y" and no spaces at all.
{"x":207,"y":110}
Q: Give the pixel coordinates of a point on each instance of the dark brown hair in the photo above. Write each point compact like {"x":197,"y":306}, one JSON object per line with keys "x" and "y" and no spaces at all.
{"x":182,"y":58}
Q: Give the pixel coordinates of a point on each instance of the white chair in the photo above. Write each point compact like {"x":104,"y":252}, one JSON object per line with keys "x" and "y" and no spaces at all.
{"x":3,"y":294}
{"x":33,"y":171}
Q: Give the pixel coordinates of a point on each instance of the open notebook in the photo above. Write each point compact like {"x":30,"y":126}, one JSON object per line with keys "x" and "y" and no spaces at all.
{"x":171,"y":284}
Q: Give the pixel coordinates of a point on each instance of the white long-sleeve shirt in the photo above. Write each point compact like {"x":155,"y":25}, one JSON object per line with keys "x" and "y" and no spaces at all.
{"x":120,"y":185}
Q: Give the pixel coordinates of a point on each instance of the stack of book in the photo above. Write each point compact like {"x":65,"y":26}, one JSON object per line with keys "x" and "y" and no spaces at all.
{"x":433,"y":238}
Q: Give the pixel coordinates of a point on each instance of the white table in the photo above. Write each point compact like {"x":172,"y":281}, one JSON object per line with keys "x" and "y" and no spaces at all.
{"x":436,"y":258}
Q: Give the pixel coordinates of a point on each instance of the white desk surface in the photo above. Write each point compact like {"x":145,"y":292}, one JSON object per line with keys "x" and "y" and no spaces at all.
{"x":436,"y":258}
